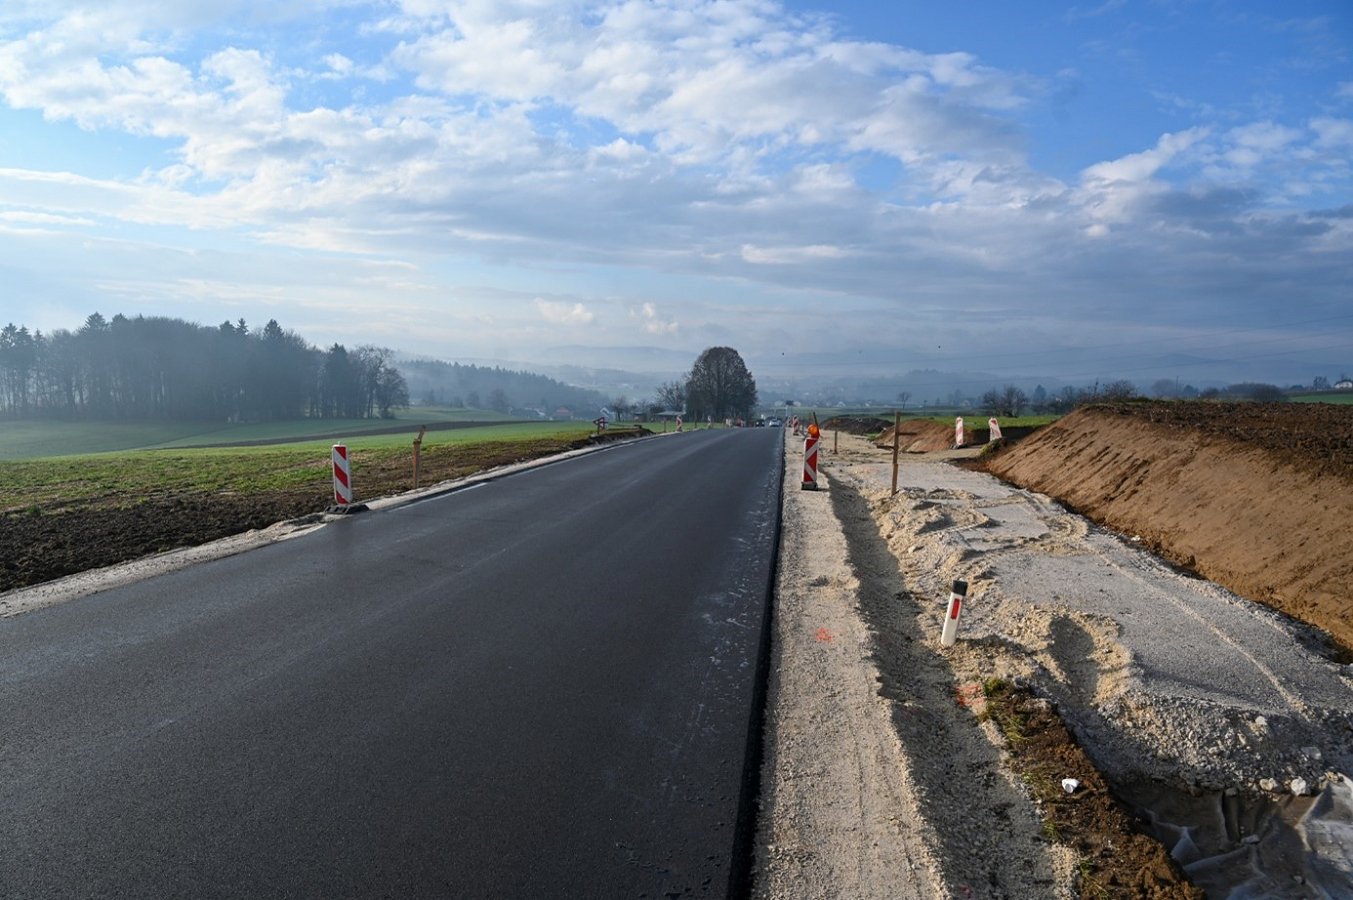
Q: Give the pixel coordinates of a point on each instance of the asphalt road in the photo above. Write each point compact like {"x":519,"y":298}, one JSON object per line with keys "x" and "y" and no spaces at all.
{"x":542,"y":687}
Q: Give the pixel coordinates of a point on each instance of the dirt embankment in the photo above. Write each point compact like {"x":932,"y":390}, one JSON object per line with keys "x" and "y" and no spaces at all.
{"x":918,"y":436}
{"x":1258,"y":498}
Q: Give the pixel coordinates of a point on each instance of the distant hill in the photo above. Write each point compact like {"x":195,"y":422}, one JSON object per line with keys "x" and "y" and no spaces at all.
{"x":434,"y":382}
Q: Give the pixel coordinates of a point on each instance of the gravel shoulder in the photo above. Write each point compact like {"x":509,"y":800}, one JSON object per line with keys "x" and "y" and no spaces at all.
{"x":838,"y":818}
{"x":875,"y":782}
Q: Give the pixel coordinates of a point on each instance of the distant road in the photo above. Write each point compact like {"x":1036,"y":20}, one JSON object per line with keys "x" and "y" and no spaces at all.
{"x":540,"y":687}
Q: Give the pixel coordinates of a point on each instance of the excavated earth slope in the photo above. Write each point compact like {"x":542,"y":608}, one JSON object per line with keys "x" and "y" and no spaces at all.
{"x":1255,"y":497}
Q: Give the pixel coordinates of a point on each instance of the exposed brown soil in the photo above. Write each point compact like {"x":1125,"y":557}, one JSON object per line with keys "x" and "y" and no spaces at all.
{"x":1115,"y":858}
{"x":38,"y":545}
{"x":863,"y":425}
{"x":1256,"y":497}
{"x":918,"y":436}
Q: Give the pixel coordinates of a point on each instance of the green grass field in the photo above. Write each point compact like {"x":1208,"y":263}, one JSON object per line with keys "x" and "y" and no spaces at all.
{"x":1341,"y":397}
{"x":141,"y":473}
{"x":33,"y":439}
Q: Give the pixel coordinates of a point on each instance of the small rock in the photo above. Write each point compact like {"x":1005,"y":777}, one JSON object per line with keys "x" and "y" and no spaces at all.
{"x":1299,"y":787}
{"x":1070,"y":784}
{"x":1260,"y":722}
{"x":1250,"y":839}
{"x":1267,"y":784}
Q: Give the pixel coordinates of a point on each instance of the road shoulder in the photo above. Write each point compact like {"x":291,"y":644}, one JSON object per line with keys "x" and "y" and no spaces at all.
{"x":839,"y":816}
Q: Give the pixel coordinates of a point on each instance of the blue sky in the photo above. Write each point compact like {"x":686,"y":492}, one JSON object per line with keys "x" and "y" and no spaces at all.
{"x":1130,"y":188}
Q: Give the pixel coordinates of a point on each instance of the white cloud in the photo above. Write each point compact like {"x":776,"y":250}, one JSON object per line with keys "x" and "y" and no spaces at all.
{"x":653,"y":322}
{"x":791,"y":255}
{"x":1140,"y":167}
{"x":1264,"y":137}
{"x":1333,"y":133}
{"x":731,"y":147}
{"x":1118,"y":189}
{"x":564,"y":313}
{"x":705,"y":77}
{"x":32,"y":218}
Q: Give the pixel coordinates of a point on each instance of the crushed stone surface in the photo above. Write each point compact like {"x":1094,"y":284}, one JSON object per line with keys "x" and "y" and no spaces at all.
{"x":1166,"y":679}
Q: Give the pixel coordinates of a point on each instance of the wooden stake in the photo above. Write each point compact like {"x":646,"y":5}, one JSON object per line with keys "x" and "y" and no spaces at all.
{"x":897,"y":442}
{"x":417,"y":450}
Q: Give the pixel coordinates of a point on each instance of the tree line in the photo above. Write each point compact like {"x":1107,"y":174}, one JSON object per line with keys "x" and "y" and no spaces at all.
{"x":157,"y":368}
{"x":1012,"y":401}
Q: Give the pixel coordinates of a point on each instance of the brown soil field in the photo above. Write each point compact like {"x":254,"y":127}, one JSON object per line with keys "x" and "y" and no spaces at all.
{"x":864,"y":425}
{"x":1255,"y":497}
{"x":38,"y":545}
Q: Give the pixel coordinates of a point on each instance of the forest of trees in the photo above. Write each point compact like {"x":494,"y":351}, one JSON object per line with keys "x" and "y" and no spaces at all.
{"x":154,"y":368}
{"x":434,"y":382}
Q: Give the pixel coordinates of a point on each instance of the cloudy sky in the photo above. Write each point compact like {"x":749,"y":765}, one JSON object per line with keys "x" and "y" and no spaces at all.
{"x":1113,"y":188}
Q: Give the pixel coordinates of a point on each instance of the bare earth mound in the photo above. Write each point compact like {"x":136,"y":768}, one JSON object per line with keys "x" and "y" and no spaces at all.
{"x":1258,"y":498}
{"x":918,"y":436}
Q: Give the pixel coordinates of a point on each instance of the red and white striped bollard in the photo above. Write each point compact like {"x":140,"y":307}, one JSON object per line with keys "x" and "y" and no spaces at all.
{"x":342,"y":476}
{"x":809,"y":462}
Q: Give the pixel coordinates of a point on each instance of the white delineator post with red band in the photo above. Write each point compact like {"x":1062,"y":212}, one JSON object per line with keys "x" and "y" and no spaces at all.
{"x":342,"y":476}
{"x":995,"y":430}
{"x":950,"y":632}
{"x":958,"y":432}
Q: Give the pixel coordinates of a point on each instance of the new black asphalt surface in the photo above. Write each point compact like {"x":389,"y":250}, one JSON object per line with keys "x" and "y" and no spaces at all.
{"x":541,"y":687}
